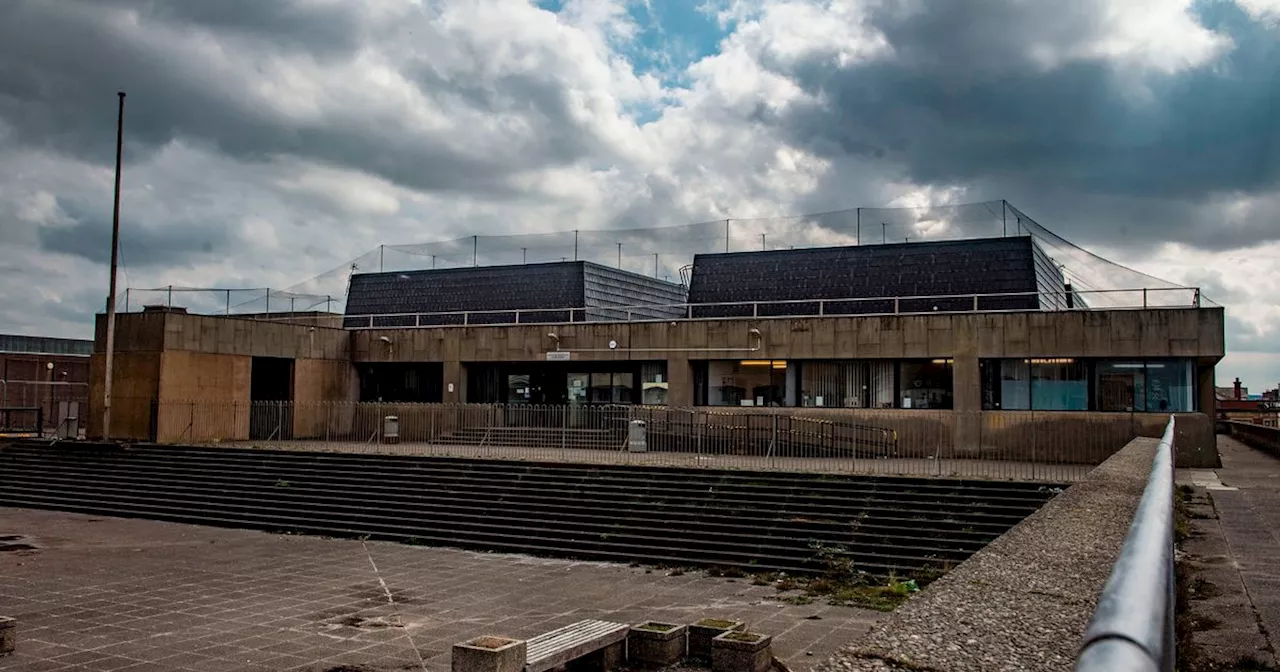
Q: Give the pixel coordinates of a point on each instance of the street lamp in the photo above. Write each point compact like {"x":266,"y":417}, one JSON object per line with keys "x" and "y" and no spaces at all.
{"x":49,"y":367}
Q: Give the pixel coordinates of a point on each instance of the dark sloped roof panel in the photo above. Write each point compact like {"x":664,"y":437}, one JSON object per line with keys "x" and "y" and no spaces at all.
{"x":478,"y":288}
{"x":924,"y":269}
{"x":541,"y":292}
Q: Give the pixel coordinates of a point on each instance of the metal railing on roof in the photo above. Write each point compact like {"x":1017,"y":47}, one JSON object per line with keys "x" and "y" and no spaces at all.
{"x":1117,"y":299}
{"x":1132,"y":628}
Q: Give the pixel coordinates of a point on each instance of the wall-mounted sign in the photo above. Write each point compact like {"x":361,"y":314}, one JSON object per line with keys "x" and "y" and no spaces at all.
{"x":558,"y":356}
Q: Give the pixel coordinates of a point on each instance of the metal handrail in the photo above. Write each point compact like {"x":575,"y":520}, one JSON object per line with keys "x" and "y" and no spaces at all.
{"x":644,"y":312}
{"x":1132,"y":628}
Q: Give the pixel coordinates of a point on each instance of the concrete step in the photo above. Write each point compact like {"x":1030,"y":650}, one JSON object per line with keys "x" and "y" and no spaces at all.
{"x":598,"y":489}
{"x":757,"y":483}
{"x":754,"y":521}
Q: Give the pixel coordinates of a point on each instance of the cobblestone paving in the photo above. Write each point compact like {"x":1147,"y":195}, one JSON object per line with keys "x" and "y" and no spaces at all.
{"x":95,"y":593}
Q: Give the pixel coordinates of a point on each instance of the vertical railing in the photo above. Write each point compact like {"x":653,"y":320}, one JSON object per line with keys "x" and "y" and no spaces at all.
{"x":1132,"y":628}
{"x":1016,"y":445}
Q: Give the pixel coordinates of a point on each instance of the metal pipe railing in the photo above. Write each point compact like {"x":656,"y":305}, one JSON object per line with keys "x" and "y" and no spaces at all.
{"x":1132,"y":628}
{"x":956,"y":303}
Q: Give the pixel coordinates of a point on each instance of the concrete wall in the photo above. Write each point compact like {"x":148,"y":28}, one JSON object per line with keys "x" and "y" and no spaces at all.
{"x":135,"y":385}
{"x":1064,"y":437}
{"x":196,"y":391}
{"x":1196,"y":333}
{"x":1266,"y":439}
{"x":315,"y":382}
{"x":185,"y":363}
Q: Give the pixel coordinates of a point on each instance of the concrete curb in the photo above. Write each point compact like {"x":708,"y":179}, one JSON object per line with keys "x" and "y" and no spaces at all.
{"x":1024,"y":601}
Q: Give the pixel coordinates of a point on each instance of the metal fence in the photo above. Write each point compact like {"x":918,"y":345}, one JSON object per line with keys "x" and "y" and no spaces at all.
{"x":1057,"y":447}
{"x":1179,"y":297}
{"x":1132,"y":628}
{"x":50,"y":397}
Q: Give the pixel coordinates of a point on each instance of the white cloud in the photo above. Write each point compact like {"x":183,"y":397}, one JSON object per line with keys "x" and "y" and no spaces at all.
{"x":275,"y":162}
{"x":1163,"y":35}
{"x":1266,"y":11}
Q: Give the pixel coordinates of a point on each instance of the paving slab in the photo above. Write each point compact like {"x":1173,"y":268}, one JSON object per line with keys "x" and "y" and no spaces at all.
{"x":1235,"y":552}
{"x":99,"y":593}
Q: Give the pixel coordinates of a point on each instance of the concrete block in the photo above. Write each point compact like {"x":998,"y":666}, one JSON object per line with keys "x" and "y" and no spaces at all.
{"x":8,"y":635}
{"x":702,"y":632}
{"x":741,"y":652}
{"x":657,"y":644}
{"x":489,"y":654}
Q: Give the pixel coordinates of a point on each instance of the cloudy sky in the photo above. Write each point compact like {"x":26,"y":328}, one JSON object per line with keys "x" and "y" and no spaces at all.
{"x":268,"y":142}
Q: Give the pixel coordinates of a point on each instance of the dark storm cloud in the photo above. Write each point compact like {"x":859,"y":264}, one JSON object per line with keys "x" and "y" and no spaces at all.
{"x":89,"y":237}
{"x":323,"y":29}
{"x":960,"y":102}
{"x":60,"y":64}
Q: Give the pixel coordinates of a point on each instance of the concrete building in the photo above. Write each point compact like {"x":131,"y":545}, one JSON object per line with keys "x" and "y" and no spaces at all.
{"x":947,"y":343}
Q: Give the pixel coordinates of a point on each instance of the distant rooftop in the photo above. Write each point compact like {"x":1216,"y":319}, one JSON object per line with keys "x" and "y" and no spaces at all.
{"x":45,"y":345}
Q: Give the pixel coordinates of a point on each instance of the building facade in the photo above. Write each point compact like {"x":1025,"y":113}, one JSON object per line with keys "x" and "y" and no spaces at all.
{"x":960,"y":340}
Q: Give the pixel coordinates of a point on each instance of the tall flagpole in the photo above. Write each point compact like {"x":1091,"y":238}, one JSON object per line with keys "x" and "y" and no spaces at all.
{"x":111,"y":291}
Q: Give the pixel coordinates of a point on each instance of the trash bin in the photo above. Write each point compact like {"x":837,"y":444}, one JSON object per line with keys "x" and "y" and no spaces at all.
{"x":636,"y":442}
{"x":391,"y":429}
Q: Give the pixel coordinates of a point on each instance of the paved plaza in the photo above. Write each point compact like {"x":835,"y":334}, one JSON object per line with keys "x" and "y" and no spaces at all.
{"x":96,"y":593}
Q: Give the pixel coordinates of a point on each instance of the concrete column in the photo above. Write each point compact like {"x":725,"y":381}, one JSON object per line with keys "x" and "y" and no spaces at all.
{"x":679,"y":381}
{"x":967,"y":390}
{"x":455,"y":375}
{"x":1208,"y":401}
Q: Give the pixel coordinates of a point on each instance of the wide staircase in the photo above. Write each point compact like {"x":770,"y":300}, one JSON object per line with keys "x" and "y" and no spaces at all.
{"x":754,"y":521}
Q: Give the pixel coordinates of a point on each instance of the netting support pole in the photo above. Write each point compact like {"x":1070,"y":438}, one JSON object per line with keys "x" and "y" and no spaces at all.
{"x":1004,"y":216}
{"x":655,"y":266}
{"x":619,"y":255}
{"x":381,"y":248}
{"x":857,"y":232}
{"x":228,"y":302}
{"x":475,"y":250}
{"x":524,"y":255}
{"x":111,"y":291}
{"x":575,"y":244}
{"x":170,"y":299}
{"x":763,"y":245}
{"x":126,"y":299}
{"x":268,"y":300}
{"x":726,"y":235}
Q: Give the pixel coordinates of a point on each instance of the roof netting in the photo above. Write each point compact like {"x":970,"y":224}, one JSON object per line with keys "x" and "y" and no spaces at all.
{"x":663,"y":251}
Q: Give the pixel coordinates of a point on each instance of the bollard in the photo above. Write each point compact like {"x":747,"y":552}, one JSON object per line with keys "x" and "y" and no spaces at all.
{"x":8,"y":635}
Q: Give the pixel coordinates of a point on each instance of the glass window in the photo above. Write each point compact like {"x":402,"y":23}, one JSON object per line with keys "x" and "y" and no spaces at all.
{"x":883,"y":392}
{"x":1015,"y":384}
{"x":845,"y":384}
{"x":1059,"y":384}
{"x":620,"y":392}
{"x":653,"y":384}
{"x":518,"y":389}
{"x":1169,"y":386}
{"x":1121,"y":386}
{"x":834,"y":384}
{"x":746,"y":382}
{"x":926,"y":384}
